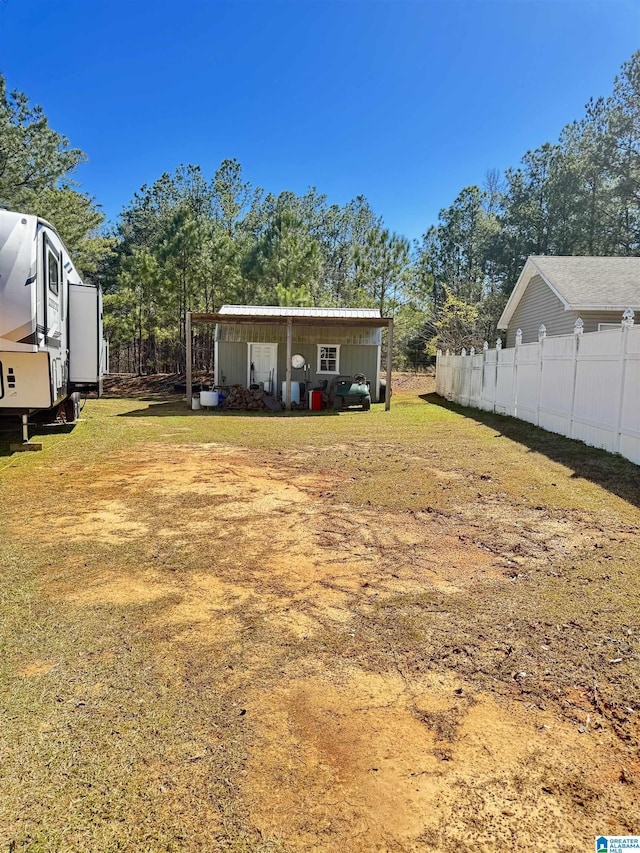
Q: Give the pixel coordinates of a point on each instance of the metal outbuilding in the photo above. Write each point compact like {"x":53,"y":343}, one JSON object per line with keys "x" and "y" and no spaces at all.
{"x":335,"y":340}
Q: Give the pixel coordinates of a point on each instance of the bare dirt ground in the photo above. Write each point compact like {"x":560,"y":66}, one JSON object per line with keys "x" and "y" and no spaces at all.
{"x":353,"y":689}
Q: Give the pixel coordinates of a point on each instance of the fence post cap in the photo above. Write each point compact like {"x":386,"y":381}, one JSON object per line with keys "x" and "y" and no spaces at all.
{"x":472,"y":351}
{"x":542,"y":332}
{"x":464,"y":352}
{"x":628,"y":317}
{"x":578,"y":326}
{"x":485,"y":346}
{"x":499,"y":343}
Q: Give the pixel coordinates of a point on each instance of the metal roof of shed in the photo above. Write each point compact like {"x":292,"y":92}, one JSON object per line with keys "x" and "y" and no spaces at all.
{"x":282,"y":311}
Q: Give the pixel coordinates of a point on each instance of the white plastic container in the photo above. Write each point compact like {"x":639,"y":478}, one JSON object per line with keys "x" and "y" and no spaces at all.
{"x":209,"y":398}
{"x":195,"y":402}
{"x":295,"y":392}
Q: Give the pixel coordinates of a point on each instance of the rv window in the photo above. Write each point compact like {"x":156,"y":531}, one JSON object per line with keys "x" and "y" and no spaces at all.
{"x":53,"y":272}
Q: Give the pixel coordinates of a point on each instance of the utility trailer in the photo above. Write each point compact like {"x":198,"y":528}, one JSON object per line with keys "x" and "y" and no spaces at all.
{"x":51,"y":346}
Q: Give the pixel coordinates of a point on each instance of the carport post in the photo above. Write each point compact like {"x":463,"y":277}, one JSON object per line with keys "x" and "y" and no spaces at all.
{"x":187,"y":332}
{"x":387,"y":393}
{"x":289,"y":348}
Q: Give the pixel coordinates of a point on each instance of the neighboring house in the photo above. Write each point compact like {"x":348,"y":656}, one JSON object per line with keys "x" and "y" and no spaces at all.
{"x":556,"y":291}
{"x":251,"y":347}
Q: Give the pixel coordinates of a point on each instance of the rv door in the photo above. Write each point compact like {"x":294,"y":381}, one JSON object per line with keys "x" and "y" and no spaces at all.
{"x":52,"y":295}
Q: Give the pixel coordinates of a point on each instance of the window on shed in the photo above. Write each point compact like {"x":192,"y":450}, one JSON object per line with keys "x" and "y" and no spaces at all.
{"x":53,"y":272}
{"x":328,"y":358}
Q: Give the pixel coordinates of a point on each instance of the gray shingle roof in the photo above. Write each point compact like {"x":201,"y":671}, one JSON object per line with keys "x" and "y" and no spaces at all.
{"x":581,"y":283}
{"x":592,"y":282}
{"x":280,"y":311}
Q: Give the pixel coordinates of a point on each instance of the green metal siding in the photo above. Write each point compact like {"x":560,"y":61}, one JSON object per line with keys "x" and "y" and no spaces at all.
{"x":359,"y":359}
{"x":232,"y":363}
{"x":354,"y":358}
{"x":264,"y":333}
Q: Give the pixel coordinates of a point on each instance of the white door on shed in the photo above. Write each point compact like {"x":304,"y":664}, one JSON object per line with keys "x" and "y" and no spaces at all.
{"x":263,"y":361}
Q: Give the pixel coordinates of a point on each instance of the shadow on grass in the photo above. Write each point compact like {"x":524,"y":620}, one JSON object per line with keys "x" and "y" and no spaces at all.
{"x":148,"y":398}
{"x":11,"y":433}
{"x":175,"y":408}
{"x":611,"y":471}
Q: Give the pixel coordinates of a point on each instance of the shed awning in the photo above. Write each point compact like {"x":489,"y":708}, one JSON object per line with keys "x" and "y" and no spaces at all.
{"x":297,"y":320}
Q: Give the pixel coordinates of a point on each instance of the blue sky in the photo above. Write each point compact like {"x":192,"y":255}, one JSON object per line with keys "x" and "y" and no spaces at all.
{"x":403,"y":102}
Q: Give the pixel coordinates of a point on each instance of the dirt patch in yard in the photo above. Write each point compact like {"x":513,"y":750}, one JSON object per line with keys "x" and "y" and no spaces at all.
{"x":366,"y":679}
{"x":396,"y":766}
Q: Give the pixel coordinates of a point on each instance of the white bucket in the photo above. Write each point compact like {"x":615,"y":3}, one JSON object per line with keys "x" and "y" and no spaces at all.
{"x":209,"y":398}
{"x":195,"y":401}
{"x":295,"y":392}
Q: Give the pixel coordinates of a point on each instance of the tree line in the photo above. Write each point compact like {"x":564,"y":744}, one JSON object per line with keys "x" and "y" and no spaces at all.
{"x":194,"y":242}
{"x":188,"y":243}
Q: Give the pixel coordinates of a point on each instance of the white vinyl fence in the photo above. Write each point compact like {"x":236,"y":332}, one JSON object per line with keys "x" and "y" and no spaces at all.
{"x":584,"y":386}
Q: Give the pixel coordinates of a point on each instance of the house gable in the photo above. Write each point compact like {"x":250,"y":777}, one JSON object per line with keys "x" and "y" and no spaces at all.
{"x":529,"y":271}
{"x":538,"y":305}
{"x":555,"y":291}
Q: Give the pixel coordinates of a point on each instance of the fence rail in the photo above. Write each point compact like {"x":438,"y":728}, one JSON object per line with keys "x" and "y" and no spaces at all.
{"x":583,"y":386}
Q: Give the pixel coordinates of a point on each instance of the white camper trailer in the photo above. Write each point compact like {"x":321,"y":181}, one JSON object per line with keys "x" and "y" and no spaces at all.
{"x":51,"y":346}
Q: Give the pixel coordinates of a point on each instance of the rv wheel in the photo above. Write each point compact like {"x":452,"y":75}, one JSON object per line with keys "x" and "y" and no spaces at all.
{"x":77,"y":408}
{"x":72,"y":407}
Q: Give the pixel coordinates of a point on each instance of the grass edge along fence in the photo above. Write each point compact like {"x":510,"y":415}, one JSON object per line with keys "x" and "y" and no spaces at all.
{"x":583,"y":386}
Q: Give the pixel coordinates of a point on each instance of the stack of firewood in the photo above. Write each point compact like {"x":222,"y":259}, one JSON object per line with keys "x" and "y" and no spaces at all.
{"x":240,"y":399}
